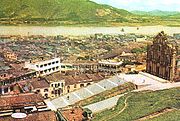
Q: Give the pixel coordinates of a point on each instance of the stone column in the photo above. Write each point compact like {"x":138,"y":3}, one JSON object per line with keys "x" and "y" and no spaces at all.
{"x":2,"y":90}
{"x":9,"y":90}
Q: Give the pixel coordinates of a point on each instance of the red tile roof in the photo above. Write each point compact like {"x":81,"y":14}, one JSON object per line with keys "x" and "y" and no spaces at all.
{"x":39,"y":83}
{"x":27,"y":99}
{"x":39,"y":116}
{"x":82,"y":78}
{"x":74,"y":114}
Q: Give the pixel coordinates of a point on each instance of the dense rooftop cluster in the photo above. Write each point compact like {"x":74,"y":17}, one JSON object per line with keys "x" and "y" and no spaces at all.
{"x":67,"y":69}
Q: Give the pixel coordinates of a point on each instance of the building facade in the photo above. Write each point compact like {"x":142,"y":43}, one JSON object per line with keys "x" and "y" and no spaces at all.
{"x":44,"y":67}
{"x":10,"y":56}
{"x":161,"y":57}
{"x":86,"y":67}
{"x":109,"y":66}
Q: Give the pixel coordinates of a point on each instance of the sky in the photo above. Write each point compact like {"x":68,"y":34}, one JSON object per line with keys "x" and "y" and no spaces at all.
{"x":144,"y":5}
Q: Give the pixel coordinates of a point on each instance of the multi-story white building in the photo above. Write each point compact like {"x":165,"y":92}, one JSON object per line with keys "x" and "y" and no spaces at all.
{"x":110,"y":66}
{"x":44,"y":67}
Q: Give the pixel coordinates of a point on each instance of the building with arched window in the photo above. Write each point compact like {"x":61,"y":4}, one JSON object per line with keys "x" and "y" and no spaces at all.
{"x":162,"y":58}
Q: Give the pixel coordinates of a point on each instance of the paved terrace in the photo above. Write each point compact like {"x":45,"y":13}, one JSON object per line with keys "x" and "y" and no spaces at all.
{"x":81,"y":94}
{"x":147,"y":81}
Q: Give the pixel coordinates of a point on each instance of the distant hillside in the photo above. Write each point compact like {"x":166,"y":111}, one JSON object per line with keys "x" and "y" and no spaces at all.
{"x":137,"y":12}
{"x":61,"y":10}
{"x":73,"y":12}
{"x":156,"y":13}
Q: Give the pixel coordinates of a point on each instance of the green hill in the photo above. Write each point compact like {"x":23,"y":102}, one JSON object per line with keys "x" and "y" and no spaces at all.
{"x":60,"y":10}
{"x":55,"y":9}
{"x":73,"y":12}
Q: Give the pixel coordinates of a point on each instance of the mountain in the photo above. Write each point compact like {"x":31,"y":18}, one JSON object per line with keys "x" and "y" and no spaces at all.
{"x":75,"y":12}
{"x":155,"y":13}
{"x":60,"y":10}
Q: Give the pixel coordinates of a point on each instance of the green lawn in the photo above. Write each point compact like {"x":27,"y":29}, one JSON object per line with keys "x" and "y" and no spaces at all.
{"x":141,"y":104}
{"x":170,"y":116}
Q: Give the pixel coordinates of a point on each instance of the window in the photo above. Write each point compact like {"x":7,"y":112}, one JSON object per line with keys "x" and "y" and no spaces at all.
{"x":68,"y":87}
{"x":45,"y":64}
{"x":46,"y":96}
{"x":53,"y":69}
{"x":45,"y":90}
{"x":41,"y":72}
{"x":52,"y":85}
{"x":56,"y":92}
{"x":37,"y":66}
{"x":53,"y":62}
{"x":159,"y":48}
{"x":57,"y":61}
{"x":49,"y":64}
{"x":41,"y":66}
{"x":5,"y":90}
{"x":37,"y":91}
{"x":88,"y":84}
{"x":75,"y":86}
{"x":58,"y":84}
{"x":81,"y":85}
{"x":57,"y":67}
{"x":62,"y":66}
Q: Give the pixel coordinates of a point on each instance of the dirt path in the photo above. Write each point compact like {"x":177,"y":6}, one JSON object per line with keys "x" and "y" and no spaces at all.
{"x":116,"y":114}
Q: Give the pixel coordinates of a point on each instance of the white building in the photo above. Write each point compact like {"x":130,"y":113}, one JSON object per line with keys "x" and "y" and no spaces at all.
{"x":110,"y":66}
{"x":44,"y":67}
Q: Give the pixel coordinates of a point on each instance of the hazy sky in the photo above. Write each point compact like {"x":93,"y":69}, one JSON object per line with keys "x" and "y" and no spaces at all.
{"x":145,"y":5}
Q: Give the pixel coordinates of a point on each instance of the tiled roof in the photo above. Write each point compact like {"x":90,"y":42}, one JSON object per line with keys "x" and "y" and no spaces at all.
{"x":27,"y":99}
{"x":74,"y":114}
{"x":70,"y":80}
{"x":38,"y":116}
{"x":39,"y":83}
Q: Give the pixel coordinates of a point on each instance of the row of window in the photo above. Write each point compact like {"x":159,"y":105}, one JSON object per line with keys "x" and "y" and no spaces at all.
{"x":44,"y":65}
{"x":63,"y":66}
{"x":45,"y":90}
{"x":49,"y":70}
{"x":3,"y":75}
{"x":81,"y":85}
{"x":59,"y":92}
{"x":57,"y":85}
